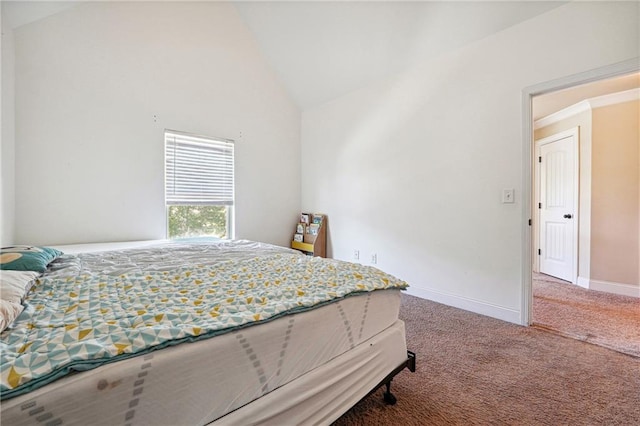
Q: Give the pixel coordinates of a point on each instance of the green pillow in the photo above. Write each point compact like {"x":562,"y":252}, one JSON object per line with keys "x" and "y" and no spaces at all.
{"x":27,"y":258}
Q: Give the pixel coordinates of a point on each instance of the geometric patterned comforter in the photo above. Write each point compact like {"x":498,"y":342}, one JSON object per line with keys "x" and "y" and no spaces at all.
{"x":100,"y":308}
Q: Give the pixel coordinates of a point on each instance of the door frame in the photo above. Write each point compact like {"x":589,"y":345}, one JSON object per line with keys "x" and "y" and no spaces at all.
{"x":602,"y":73}
{"x":575,"y":133}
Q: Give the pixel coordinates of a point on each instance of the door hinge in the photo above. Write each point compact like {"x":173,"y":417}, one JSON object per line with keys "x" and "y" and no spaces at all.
{"x":539,"y":252}
{"x":529,"y":222}
{"x":539,"y":205}
{"x":539,"y":159}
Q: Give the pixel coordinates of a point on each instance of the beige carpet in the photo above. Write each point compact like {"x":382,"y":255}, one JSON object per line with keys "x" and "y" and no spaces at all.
{"x":596,"y":317}
{"x":475,"y":370}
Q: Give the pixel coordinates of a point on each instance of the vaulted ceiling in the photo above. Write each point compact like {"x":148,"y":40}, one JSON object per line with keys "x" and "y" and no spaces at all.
{"x":321,"y":50}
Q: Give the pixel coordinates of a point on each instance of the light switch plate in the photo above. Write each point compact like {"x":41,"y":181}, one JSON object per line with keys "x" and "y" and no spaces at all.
{"x":508,"y":196}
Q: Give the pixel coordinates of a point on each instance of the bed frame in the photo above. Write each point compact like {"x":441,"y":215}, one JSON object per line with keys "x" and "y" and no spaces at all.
{"x":389,"y":398}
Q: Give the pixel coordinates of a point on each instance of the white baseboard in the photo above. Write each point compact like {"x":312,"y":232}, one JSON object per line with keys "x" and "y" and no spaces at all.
{"x":477,"y":306}
{"x":610,"y":287}
{"x":615,"y":288}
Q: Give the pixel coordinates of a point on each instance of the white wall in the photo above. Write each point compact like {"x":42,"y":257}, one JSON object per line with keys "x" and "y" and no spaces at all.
{"x":413,"y":168}
{"x":96,"y":85}
{"x":7,"y":147}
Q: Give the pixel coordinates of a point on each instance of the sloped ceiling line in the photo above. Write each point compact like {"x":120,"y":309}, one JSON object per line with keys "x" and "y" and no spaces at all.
{"x":323,"y":50}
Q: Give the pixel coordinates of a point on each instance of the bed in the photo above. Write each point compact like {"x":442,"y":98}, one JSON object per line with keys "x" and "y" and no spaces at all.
{"x":223,"y":332}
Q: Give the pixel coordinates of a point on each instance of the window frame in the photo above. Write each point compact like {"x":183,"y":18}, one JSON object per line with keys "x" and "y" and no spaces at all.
{"x":230,"y":222}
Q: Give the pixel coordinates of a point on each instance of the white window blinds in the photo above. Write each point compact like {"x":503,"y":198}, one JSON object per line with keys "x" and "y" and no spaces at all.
{"x":198,"y":170}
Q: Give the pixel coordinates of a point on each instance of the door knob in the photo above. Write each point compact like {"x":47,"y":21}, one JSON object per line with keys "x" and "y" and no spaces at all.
{"x":568,"y":216}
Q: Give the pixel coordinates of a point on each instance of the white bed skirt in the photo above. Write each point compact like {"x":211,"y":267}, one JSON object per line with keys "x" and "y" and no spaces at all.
{"x":324,"y":394}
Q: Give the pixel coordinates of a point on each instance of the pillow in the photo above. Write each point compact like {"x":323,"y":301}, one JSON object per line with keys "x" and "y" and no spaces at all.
{"x":9,"y":311}
{"x":14,"y":286}
{"x":27,"y":258}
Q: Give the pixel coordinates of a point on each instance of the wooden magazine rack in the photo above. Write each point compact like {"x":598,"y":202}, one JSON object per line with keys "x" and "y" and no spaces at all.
{"x":311,"y":235}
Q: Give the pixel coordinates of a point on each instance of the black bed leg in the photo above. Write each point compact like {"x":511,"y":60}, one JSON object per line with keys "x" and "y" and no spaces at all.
{"x":389,"y":398}
{"x":409,"y":363}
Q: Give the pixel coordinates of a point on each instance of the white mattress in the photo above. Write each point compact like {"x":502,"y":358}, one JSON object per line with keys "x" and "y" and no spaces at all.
{"x":197,"y":383}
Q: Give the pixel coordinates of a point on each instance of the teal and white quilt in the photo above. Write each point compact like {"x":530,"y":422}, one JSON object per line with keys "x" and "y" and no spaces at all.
{"x":91,"y":311}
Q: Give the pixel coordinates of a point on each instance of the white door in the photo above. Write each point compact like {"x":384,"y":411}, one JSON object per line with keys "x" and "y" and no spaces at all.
{"x":558,"y":205}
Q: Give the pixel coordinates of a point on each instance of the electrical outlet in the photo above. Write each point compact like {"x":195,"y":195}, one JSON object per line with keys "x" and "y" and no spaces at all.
{"x":356,"y":254}
{"x":374,"y":258}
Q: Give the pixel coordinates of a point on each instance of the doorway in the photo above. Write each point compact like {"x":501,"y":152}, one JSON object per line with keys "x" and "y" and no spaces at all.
{"x":541,"y":272}
{"x":615,"y":70}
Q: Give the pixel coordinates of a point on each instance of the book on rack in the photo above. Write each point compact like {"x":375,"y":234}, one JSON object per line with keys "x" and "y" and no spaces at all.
{"x":310,"y":234}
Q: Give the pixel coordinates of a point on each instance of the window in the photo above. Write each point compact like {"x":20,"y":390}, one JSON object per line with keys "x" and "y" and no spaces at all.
{"x":198,"y":185}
